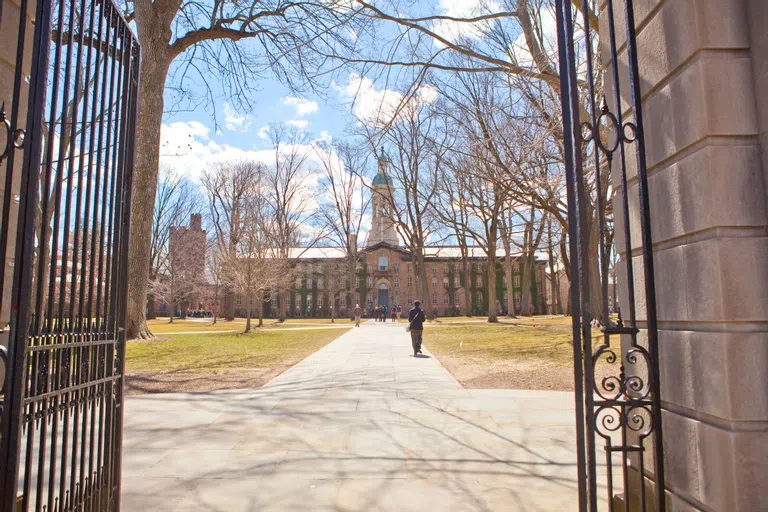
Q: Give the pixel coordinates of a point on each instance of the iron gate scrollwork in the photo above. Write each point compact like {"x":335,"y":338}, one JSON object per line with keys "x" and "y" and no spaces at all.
{"x":68,"y":164}
{"x":618,"y":412}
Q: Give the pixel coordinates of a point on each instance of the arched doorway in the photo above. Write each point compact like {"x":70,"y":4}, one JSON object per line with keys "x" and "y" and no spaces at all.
{"x":383,"y":296}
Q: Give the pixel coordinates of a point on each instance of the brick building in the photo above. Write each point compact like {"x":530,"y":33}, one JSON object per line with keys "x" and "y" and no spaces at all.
{"x":386,"y":275}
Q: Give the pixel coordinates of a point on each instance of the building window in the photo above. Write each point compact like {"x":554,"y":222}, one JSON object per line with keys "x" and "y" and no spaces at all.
{"x":446,"y":299}
{"x":445,"y":269}
{"x":370,"y":269}
{"x":410,"y":268}
{"x":396,"y":267}
{"x":410,"y":282}
{"x":369,"y":282}
{"x":434,"y":269}
{"x":518,"y":300}
{"x":383,"y":262}
{"x":434,"y":282}
{"x":298,"y":282}
{"x":434,"y":298}
{"x":357,"y":298}
{"x":479,"y":281}
{"x":238,"y":300}
{"x":309,"y":301}
{"x":456,"y":299}
{"x":516,"y":281}
{"x":516,"y":267}
{"x":396,"y":283}
{"x":343,"y":299}
{"x":409,"y":301}
{"x":298,"y":299}
{"x":446,"y":283}
{"x":397,"y":300}
{"x":309,"y":283}
{"x":320,"y":283}
{"x":480,"y":297}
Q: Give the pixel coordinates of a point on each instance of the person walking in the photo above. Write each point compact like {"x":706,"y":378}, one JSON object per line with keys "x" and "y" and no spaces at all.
{"x":416,"y":318}
{"x":394,"y":314}
{"x":377,"y":314}
{"x":384,"y":313}
{"x":358,"y":313}
{"x":399,"y":312}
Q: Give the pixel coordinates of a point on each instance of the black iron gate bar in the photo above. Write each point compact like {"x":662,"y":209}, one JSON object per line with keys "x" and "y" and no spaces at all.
{"x":625,"y":403}
{"x":65,"y":351}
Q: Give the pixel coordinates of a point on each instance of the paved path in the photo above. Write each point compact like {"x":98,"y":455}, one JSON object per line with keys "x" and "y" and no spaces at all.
{"x":359,"y":425}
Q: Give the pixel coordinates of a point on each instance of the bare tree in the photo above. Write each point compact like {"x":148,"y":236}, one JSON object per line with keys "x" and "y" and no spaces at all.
{"x":346,"y":199}
{"x":176,"y":200}
{"x":333,"y":270}
{"x":248,"y":267}
{"x":237,"y":42}
{"x":291,"y":203}
{"x":212,"y":291}
{"x":228,"y":186}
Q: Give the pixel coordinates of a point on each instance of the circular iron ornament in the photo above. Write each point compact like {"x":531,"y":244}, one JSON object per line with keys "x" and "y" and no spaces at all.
{"x":613,"y":126}
{"x":629,"y":132}
{"x":13,"y":138}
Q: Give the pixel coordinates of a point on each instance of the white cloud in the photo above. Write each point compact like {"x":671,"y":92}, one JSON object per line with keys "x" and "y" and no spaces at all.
{"x":188,"y":148}
{"x":301,"y":124}
{"x":374,"y":106}
{"x":264,"y":132}
{"x":303,"y":106}
{"x":324,"y":137}
{"x":233,"y":121}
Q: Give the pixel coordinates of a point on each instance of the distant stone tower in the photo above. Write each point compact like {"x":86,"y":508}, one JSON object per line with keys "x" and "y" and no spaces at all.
{"x":382,"y":226}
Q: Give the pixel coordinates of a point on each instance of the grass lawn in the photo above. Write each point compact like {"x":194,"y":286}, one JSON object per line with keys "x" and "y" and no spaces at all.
{"x":510,"y":355}
{"x":161,"y":325}
{"x":223,"y":360}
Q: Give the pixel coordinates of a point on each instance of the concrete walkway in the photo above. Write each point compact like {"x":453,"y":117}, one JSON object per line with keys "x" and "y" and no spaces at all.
{"x":359,"y":425}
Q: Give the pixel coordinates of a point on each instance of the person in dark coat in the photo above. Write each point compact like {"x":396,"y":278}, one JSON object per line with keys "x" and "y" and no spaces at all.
{"x":416,"y":318}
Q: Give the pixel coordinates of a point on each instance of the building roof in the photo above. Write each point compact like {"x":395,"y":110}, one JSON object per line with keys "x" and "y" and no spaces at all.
{"x":442,"y":251}
{"x":382,"y":179}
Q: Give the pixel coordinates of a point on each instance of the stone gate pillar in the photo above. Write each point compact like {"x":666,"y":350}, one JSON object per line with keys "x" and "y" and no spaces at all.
{"x":704,"y":80}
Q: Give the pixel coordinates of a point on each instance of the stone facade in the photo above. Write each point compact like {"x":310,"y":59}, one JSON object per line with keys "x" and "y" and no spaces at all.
{"x":704,"y":81}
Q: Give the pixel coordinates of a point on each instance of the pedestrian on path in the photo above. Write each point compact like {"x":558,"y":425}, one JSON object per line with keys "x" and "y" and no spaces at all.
{"x":399,"y":311}
{"x":384,"y":313}
{"x":416,"y":318}
{"x":394,"y":314}
{"x":358,"y":312}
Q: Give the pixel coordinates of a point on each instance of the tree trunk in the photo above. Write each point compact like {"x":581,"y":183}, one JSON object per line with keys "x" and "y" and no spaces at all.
{"x":467,"y":288}
{"x":151,"y":308}
{"x":229,"y":305}
{"x":154,"y":70}
{"x":422,"y":281}
{"x":248,"y":313}
{"x":490,"y":271}
{"x":261,"y":310}
{"x":284,"y":296}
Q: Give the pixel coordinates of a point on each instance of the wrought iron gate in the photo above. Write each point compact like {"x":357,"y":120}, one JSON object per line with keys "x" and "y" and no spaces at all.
{"x":66,"y":151}
{"x":618,"y":408}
